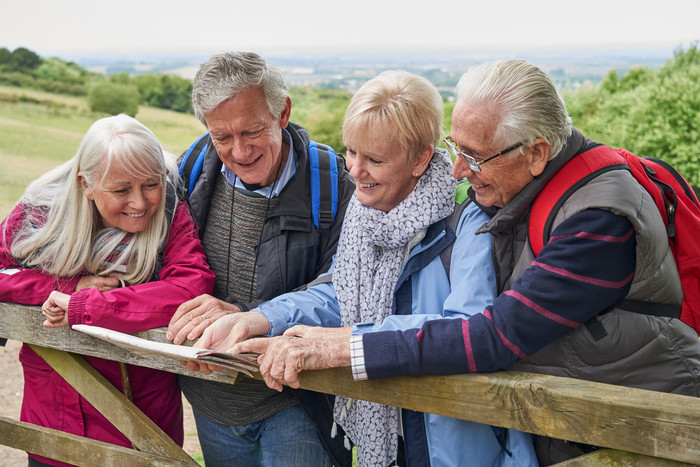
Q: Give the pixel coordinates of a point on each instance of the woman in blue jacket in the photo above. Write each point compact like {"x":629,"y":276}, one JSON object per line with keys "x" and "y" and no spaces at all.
{"x":388,"y":273}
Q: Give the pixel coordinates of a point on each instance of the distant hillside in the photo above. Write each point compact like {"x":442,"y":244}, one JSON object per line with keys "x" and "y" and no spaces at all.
{"x":24,"y":68}
{"x":650,"y":110}
{"x":40,"y":130}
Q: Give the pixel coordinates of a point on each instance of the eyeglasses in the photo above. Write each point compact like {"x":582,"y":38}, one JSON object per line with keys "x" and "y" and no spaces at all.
{"x":473,"y":163}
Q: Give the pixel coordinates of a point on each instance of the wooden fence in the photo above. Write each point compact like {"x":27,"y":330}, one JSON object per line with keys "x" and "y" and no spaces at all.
{"x":638,"y":427}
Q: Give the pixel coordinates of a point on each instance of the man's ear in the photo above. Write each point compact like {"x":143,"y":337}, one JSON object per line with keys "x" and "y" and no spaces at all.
{"x":86,"y":189}
{"x":538,"y":156}
{"x":286,"y":113}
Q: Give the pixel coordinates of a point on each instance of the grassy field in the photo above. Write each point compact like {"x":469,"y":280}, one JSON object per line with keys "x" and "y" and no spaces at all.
{"x":39,"y":130}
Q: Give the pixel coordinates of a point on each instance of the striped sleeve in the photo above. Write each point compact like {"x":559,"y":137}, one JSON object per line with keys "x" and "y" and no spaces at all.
{"x":585,"y":269}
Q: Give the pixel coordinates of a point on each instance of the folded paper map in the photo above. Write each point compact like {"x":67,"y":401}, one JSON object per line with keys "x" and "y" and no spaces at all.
{"x":245,"y":363}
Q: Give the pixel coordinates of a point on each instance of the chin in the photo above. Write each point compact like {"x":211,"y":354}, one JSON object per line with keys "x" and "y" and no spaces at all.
{"x":253,"y":179}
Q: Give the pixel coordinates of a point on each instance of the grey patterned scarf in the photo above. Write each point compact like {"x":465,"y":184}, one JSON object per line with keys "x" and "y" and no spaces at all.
{"x":369,"y":261}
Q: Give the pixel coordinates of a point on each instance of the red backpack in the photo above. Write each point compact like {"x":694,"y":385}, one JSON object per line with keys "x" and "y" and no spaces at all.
{"x":674,"y":198}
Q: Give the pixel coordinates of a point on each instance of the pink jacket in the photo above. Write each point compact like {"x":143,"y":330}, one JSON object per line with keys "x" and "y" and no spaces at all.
{"x":48,"y":400}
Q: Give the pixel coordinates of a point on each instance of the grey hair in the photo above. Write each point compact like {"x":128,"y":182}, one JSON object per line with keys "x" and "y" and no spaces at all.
{"x":66,"y":244}
{"x":408,"y":103}
{"x":525,"y":98}
{"x":224,"y":75}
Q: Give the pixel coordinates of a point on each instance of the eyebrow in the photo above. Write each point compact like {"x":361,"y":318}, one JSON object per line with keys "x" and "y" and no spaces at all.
{"x":467,"y":150}
{"x":119,"y":183}
{"x":253,"y":128}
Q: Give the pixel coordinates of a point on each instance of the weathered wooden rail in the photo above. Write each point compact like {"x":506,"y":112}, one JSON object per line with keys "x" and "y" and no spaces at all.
{"x":640,"y":427}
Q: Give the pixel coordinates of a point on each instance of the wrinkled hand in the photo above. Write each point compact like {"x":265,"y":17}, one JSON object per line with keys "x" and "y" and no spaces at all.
{"x":194,"y":316}
{"x":300,"y":348}
{"x":227,"y":331}
{"x":55,"y":310}
{"x":301,"y":330}
{"x":104,"y":284}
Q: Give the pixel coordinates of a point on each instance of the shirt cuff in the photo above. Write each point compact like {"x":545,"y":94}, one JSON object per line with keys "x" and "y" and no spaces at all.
{"x":357,"y":358}
{"x":360,"y":328}
{"x":278,"y":323}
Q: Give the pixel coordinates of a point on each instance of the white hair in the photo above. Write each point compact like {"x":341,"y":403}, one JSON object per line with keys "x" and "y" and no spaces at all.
{"x":225,"y":75}
{"x":61,"y":232}
{"x":525,"y":99}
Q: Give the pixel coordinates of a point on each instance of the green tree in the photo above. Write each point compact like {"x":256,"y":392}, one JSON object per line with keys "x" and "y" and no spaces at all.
{"x":165,"y":91}
{"x":649,"y":112}
{"x":5,"y":56}
{"x":113,"y":99}
{"x":55,"y":69}
{"x":150,"y":88}
{"x":121,"y":78}
{"x":176,"y":93}
{"x":321,"y":112}
{"x":24,"y":60}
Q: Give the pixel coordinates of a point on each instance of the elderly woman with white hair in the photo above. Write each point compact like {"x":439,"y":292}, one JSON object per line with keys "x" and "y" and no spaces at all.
{"x":103,"y":240}
{"x":388,"y":274}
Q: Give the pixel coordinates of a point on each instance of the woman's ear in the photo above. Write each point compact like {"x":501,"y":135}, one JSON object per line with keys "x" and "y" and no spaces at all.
{"x":86,"y":188}
{"x":538,"y":156}
{"x":422,"y":161}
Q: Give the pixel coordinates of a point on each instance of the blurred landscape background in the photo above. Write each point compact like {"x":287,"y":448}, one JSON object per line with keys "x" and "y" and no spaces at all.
{"x":645,"y":100}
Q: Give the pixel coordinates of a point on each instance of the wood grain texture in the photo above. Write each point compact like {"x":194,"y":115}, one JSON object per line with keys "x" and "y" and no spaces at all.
{"x":143,"y":433}
{"x":637,"y":421}
{"x":75,"y":449}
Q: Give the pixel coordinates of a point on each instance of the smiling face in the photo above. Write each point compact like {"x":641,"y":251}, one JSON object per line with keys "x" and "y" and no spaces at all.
{"x":125,"y":201}
{"x":500,"y":179}
{"x":383,"y":175}
{"x":248,"y":138}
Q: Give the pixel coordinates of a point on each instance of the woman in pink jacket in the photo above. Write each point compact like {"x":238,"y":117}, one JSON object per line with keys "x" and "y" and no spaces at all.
{"x":102,"y":240}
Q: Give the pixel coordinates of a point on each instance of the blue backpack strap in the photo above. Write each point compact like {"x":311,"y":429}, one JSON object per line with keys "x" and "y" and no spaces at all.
{"x":324,"y":184}
{"x":192,"y":162}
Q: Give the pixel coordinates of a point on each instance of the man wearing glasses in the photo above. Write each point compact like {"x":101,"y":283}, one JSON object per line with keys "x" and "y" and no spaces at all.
{"x":560,"y":313}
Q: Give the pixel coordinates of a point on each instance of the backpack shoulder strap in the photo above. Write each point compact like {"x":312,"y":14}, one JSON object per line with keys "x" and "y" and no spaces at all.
{"x":682,"y":182}
{"x":576,"y":173}
{"x":324,"y":184}
{"x":666,"y":186}
{"x":192,"y":162}
{"x":452,"y":221}
{"x":572,"y":176}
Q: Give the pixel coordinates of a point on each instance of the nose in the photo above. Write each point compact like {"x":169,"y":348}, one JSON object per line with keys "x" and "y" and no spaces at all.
{"x":138,"y":200}
{"x":240,"y":149}
{"x":354,"y":167}
{"x":461,"y":169}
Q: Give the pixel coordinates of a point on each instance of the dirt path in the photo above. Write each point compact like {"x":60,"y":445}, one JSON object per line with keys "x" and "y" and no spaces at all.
{"x":11,"y":386}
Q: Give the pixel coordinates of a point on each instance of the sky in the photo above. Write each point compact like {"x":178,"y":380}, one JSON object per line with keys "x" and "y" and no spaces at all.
{"x":65,"y":27}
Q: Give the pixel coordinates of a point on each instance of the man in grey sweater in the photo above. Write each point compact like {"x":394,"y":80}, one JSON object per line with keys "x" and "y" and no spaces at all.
{"x":253,"y":204}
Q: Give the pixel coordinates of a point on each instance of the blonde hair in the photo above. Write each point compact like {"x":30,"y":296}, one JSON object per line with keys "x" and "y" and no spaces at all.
{"x":408,"y":103}
{"x":61,"y":232}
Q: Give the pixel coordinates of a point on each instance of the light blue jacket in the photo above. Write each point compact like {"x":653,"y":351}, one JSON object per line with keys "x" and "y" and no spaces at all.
{"x":431,"y":295}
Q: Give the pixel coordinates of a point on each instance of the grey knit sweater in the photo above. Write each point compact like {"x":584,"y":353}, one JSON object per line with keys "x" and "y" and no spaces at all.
{"x":236,"y":218}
